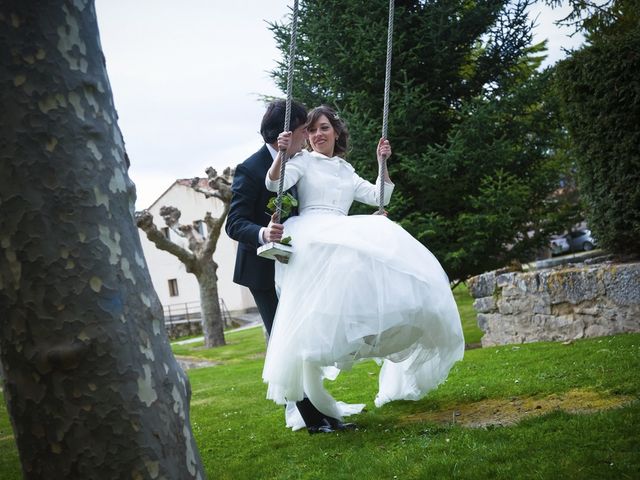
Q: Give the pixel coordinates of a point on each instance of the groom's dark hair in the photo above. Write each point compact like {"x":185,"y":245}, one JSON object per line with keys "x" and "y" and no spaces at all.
{"x":273,"y":119}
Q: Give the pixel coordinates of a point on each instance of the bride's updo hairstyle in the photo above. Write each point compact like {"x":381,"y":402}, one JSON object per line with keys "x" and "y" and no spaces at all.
{"x":342,"y":133}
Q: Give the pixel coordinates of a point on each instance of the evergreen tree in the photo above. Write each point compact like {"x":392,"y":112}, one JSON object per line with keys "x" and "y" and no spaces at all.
{"x":601,"y":100}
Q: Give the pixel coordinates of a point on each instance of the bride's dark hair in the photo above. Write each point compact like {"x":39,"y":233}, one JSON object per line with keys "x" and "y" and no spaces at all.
{"x":342,"y":133}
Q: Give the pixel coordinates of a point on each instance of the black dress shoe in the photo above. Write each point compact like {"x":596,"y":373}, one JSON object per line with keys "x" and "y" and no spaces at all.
{"x":337,"y":425}
{"x":323,"y":427}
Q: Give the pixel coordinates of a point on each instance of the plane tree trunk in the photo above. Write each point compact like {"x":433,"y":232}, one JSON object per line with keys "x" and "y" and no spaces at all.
{"x":213,"y":324}
{"x":91,"y":385}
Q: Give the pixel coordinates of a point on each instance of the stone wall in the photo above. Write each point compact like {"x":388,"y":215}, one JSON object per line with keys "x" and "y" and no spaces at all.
{"x":177,"y":330}
{"x":562,"y":303}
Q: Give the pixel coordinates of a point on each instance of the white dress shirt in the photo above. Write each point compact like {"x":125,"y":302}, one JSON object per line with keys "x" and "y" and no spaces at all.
{"x":328,"y":183}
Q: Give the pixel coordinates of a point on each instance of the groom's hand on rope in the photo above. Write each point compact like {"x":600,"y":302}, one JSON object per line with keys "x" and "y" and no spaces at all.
{"x":284,"y":141}
{"x":273,"y":232}
{"x":384,"y":150}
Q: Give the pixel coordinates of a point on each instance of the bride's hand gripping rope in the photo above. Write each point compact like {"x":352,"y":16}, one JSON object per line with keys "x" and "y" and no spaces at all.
{"x":384,"y":150}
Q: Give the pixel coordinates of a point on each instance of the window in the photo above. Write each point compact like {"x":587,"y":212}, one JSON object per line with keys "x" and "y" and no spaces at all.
{"x":165,"y":232}
{"x":173,"y":287}
{"x":199,"y":226}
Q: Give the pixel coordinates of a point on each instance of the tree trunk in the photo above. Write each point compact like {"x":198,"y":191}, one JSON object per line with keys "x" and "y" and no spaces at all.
{"x":91,"y":385}
{"x":212,"y":324}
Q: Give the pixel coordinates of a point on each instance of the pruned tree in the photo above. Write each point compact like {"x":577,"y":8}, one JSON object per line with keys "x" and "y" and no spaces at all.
{"x":91,"y":385}
{"x":198,"y":258}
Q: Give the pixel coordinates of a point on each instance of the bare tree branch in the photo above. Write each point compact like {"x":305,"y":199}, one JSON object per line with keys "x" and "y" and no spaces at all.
{"x":171,"y":216}
{"x":220,"y":188}
{"x":207,"y":193}
{"x":214,"y":225}
{"x":193,"y":236}
{"x":219,"y":185}
{"x":144,"y":221}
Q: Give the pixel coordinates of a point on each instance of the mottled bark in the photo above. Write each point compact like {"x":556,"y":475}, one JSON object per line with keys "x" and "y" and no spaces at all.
{"x":199,"y":258}
{"x":212,"y":324}
{"x":91,"y":385}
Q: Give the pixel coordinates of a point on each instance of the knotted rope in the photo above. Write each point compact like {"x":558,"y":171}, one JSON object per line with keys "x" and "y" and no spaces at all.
{"x":385,"y":109}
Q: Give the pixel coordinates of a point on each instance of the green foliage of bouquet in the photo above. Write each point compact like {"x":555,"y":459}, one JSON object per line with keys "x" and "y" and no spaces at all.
{"x":288,"y":203}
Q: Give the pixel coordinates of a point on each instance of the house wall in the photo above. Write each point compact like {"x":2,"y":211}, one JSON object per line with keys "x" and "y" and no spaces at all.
{"x":164,"y":266}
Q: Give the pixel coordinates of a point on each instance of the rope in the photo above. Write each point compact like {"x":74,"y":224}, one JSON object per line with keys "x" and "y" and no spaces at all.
{"x":385,"y":108}
{"x":287,"y":112}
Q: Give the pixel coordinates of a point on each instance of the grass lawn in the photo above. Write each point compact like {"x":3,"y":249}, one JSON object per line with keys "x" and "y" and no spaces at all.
{"x":506,"y":412}
{"x":472,"y":334}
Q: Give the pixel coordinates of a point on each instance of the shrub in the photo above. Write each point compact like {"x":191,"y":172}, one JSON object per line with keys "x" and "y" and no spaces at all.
{"x":600,"y":91}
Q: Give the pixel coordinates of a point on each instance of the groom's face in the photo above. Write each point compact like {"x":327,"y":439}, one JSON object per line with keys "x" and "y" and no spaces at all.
{"x":298,"y":139}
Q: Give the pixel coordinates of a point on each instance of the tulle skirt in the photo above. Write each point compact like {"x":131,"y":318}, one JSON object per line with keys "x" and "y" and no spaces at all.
{"x":359,"y":287}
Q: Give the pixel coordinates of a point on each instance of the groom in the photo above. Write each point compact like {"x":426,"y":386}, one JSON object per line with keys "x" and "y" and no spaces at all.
{"x":250,"y":225}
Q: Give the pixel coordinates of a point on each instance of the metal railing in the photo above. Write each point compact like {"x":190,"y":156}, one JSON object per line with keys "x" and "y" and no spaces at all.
{"x":190,"y":312}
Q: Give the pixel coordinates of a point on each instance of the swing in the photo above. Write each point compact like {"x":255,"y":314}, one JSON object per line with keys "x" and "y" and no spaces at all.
{"x":282,"y":252}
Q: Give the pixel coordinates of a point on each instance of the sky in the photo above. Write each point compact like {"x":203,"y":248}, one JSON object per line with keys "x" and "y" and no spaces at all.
{"x":187,"y":80}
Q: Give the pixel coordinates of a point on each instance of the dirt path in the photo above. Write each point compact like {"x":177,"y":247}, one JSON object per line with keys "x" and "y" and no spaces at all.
{"x":510,"y":411}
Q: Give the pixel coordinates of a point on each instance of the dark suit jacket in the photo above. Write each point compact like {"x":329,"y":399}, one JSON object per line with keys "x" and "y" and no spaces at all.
{"x":248,"y":213}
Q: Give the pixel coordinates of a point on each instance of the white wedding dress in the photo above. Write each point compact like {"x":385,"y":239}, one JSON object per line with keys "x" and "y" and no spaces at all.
{"x":357,"y":287}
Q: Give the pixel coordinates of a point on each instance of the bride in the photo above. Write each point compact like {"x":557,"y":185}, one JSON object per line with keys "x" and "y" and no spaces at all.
{"x":357,"y":287}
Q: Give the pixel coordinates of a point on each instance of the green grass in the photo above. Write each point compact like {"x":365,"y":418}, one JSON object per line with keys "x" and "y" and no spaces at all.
{"x":9,"y":464}
{"x":241,"y":435}
{"x":472,"y":333}
{"x":241,"y":346}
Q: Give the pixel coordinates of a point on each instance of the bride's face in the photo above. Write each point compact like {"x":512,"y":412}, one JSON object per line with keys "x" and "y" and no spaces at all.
{"x":322,"y":136}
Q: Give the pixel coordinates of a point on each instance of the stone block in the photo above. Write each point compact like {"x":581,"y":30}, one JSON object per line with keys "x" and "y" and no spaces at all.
{"x":596,"y":331}
{"x":539,"y":320}
{"x":482,"y":285}
{"x":486,"y":321}
{"x":541,"y":304}
{"x":566,"y":327}
{"x":587,"y":308}
{"x":484,"y":304}
{"x":496,"y":338}
{"x":586,"y":320}
{"x":572,"y":285}
{"x":622,"y":283}
{"x":559,"y":322}
{"x":511,"y":291}
{"x":631,"y":325}
{"x":631,"y":320}
{"x":527,"y":283}
{"x":562,"y":309}
{"x":515,"y":306}
{"x":506,"y":279}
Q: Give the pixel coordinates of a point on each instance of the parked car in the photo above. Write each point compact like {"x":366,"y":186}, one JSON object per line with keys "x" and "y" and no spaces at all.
{"x":579,"y":240}
{"x":559,"y":245}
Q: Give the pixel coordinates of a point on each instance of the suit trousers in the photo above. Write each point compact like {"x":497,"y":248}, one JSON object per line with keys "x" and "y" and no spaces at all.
{"x":267,"y":303}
